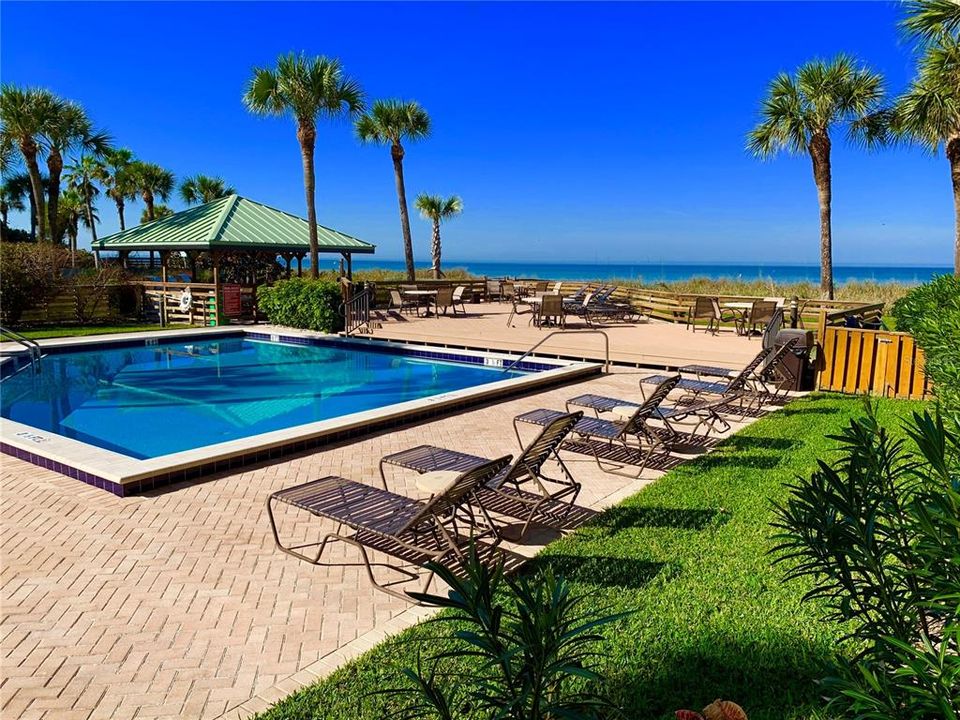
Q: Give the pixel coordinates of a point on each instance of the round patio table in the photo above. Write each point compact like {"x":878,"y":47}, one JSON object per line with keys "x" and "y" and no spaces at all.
{"x":420,"y":294}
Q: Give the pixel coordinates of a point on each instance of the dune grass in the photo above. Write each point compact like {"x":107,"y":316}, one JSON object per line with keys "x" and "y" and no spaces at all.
{"x":689,"y":555}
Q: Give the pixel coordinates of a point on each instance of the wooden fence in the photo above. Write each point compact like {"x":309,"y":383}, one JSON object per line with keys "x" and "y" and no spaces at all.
{"x":875,"y":362}
{"x":80,"y":304}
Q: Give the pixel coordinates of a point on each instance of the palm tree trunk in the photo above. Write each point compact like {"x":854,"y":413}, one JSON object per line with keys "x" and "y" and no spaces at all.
{"x":820,"y":154}
{"x":307,"y":135}
{"x":120,"y":205}
{"x":29,"y":150}
{"x":148,"y":201}
{"x":54,"y":169}
{"x":953,"y":155}
{"x":436,"y":250}
{"x":396,"y":152}
{"x":93,"y":225}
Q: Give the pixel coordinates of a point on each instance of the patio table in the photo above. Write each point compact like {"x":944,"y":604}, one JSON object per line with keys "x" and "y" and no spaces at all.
{"x":425,"y":294}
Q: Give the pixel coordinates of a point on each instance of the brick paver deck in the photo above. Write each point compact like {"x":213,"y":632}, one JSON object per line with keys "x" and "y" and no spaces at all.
{"x":177,"y":604}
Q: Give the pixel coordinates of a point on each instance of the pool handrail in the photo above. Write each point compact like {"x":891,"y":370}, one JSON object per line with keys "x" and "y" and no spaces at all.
{"x":606,"y":344}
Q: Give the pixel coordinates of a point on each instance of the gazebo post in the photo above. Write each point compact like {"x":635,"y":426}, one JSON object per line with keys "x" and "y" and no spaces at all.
{"x":289,"y":260}
{"x":215,"y":256}
{"x":349,"y":258}
{"x":299,"y":264}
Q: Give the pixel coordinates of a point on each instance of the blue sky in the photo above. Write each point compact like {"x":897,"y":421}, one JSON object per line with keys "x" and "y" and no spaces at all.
{"x":580,"y":132}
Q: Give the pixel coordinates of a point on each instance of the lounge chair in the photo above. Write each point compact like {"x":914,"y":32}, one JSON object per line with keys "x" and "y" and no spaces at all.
{"x":504,"y":493}
{"x":556,"y":287}
{"x":411,"y":530}
{"x":633,"y":427}
{"x":734,"y":388}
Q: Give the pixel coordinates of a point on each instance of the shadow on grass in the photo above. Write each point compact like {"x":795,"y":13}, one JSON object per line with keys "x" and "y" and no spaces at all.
{"x":621,"y":517}
{"x":771,"y":678}
{"x":745,"y":442}
{"x":755,"y":461}
{"x":600,"y":570}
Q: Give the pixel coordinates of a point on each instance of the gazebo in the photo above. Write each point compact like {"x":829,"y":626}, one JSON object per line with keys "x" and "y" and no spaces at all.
{"x":231,"y":224}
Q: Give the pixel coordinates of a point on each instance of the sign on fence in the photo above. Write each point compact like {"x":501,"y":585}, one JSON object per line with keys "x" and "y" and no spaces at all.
{"x":232,"y":305}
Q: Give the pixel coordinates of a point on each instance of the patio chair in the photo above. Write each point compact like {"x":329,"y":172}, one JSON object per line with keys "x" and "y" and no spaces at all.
{"x":504,"y":493}
{"x":404,"y":528}
{"x":397,"y":302}
{"x":508,"y":291}
{"x":761,"y":313}
{"x":540,"y":287}
{"x":632,"y":432}
{"x":725,"y":315}
{"x":703,"y":307}
{"x":493,"y":289}
{"x":445,"y":299}
{"x":458,"y":294}
{"x":550,"y":311}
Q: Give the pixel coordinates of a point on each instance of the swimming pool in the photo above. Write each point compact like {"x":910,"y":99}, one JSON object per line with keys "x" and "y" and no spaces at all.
{"x":126,"y":415}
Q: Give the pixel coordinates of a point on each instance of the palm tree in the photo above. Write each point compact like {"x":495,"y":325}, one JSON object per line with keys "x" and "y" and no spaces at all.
{"x":307,"y":89}
{"x":152,"y":182}
{"x":930,"y":19}
{"x":83,"y":176}
{"x":69,"y":129}
{"x":798,"y":116}
{"x":438,"y":209}
{"x":929,"y":111}
{"x":160,"y":211}
{"x":118,"y":179}
{"x":26,"y":114}
{"x":11,"y":197}
{"x":203,"y":189}
{"x":391,"y":122}
{"x":73,"y":211}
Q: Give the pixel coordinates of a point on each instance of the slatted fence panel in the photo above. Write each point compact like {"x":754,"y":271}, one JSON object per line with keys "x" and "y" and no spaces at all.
{"x":874,"y":362}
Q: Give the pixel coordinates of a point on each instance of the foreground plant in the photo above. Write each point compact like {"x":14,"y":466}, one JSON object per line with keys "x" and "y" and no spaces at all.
{"x":878,"y":534}
{"x":532,"y":641}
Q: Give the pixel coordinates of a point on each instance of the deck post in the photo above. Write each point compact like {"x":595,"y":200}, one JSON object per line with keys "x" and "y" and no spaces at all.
{"x":349,"y":257}
{"x":216,"y":289}
{"x":299,"y":264}
{"x":163,"y":295}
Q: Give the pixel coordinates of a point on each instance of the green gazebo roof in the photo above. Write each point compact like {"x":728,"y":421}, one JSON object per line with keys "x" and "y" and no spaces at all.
{"x":231,"y":222}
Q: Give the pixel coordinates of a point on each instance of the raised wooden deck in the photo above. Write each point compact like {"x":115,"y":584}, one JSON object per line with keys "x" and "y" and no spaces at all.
{"x":653,"y":344}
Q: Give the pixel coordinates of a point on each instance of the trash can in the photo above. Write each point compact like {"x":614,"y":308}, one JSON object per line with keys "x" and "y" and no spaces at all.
{"x":798,"y":372}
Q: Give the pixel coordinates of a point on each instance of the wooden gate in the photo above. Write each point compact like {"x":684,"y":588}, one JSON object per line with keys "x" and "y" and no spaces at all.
{"x":876,"y":362}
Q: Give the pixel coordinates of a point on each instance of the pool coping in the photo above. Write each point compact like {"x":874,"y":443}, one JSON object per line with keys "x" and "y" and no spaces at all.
{"x":123,"y":475}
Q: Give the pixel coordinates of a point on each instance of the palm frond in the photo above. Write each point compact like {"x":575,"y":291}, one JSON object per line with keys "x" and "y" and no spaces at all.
{"x":932,"y":19}
{"x":392,"y":122}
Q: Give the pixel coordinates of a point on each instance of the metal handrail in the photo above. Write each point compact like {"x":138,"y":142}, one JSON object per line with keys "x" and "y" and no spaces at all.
{"x":606,"y":344}
{"x":32,"y":346}
{"x":356,"y":312}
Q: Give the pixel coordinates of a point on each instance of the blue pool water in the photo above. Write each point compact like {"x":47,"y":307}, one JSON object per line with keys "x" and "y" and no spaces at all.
{"x":149,"y":401}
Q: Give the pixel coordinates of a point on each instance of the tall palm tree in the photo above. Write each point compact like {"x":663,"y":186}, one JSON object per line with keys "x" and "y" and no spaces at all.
{"x":152,"y":182}
{"x":929,"y":111}
{"x":799,"y":115}
{"x":12,"y":194}
{"x":390,"y":122}
{"x":83,"y":176}
{"x":438,"y":209}
{"x":308,"y":89}
{"x":26,"y":114}
{"x":118,"y":179}
{"x":70,"y":129}
{"x":203,"y":189}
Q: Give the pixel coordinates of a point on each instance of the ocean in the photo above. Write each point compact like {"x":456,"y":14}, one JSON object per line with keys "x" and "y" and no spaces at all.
{"x":668,"y":272}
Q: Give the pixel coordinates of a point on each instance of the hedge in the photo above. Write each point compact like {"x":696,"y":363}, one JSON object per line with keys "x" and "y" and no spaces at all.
{"x":302,"y":303}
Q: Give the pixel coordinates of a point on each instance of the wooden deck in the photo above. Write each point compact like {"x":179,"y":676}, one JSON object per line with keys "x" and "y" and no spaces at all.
{"x":654,"y":344}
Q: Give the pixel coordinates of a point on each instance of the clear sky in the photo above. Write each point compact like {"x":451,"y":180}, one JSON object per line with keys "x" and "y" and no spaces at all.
{"x":573,"y":132}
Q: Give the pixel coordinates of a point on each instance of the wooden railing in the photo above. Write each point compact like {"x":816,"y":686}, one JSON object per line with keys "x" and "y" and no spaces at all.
{"x":162,"y":303}
{"x":874,"y":362}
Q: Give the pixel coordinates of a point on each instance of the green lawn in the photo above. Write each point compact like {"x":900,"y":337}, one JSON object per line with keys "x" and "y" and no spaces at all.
{"x":59,"y":331}
{"x":689,"y":555}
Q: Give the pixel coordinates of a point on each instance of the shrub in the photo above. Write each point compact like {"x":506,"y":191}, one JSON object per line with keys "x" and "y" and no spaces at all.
{"x":32,"y":274}
{"x":301,"y":303}
{"x":878,"y":532}
{"x":931,"y":313}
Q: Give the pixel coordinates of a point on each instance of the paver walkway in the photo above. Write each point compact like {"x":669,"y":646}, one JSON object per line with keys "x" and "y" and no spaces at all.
{"x":177,"y":604}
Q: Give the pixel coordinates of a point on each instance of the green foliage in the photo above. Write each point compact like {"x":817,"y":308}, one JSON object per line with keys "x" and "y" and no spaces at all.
{"x":688,"y":557}
{"x":534,"y":653}
{"x":931,"y":313}
{"x":878,"y":533}
{"x":301,"y":303}
{"x":32,"y":273}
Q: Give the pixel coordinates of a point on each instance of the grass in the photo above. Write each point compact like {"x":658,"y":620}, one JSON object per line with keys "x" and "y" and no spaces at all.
{"x":688,"y":554}
{"x":59,"y":331}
